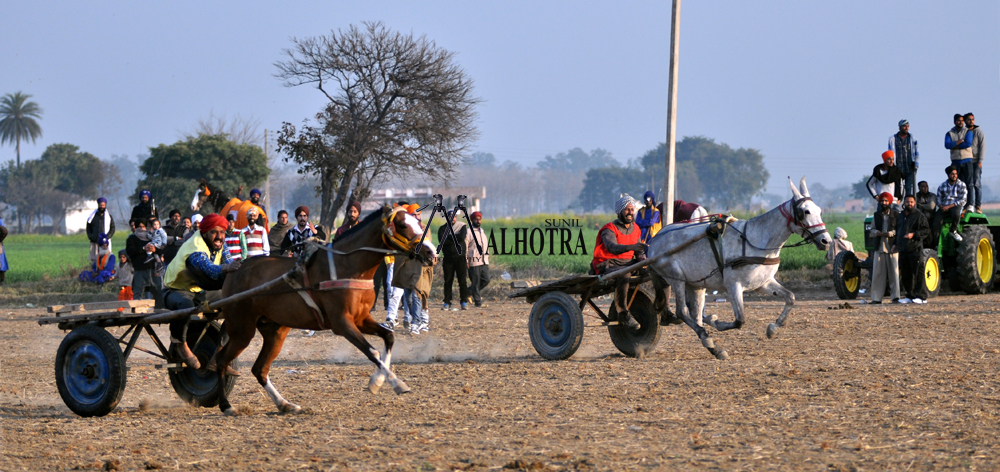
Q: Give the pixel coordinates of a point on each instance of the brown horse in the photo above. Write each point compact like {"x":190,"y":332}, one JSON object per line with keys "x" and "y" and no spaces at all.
{"x":345,"y":309}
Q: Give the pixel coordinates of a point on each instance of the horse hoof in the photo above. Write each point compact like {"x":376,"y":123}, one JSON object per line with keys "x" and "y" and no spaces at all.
{"x":772,"y":329}
{"x":289,"y":408}
{"x":722,"y":356}
{"x":401,"y":388}
{"x":230,"y":411}
{"x":375,"y":382}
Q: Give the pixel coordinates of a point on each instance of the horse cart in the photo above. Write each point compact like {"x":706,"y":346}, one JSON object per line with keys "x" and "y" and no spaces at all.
{"x":557,"y":320}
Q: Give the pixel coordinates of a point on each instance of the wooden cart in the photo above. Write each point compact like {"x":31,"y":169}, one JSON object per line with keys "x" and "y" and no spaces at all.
{"x":556,"y":322}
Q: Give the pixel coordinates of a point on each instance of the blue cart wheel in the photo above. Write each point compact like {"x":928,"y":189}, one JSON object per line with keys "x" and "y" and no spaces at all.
{"x":556,"y":326}
{"x":201,"y":387}
{"x":90,"y":371}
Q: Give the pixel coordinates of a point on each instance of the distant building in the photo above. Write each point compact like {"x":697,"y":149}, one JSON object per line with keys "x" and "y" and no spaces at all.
{"x":856,"y":205}
{"x":425,"y":195}
{"x":76,"y":220}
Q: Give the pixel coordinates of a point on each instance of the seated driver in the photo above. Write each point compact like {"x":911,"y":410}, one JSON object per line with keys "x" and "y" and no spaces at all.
{"x":618,"y":246}
{"x":195,"y":276}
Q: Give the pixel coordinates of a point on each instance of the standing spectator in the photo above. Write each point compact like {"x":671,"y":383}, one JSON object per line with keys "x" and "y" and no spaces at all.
{"x":951,"y":197}
{"x":146,"y":207}
{"x":927,"y":204}
{"x":233,"y":239}
{"x":124,"y":275}
{"x":175,"y":236}
{"x":648,"y":217}
{"x":188,"y":228}
{"x":99,"y":222}
{"x":455,"y":264}
{"x":978,"y":151}
{"x":959,"y":140}
{"x":277,"y":232}
{"x":144,"y":276}
{"x":253,"y":238}
{"x":479,"y":260}
{"x":393,"y":295}
{"x":904,"y":145}
{"x":351,"y":216}
{"x":415,"y":309}
{"x":910,"y":236}
{"x":840,"y":243}
{"x":302,"y":231}
{"x":885,"y":268}
{"x":886,"y":178}
{"x":3,"y":253}
{"x":103,"y":269}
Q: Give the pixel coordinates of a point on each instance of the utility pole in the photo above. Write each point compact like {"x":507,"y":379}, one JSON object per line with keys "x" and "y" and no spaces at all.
{"x":671,"y":177}
{"x":267,"y":183}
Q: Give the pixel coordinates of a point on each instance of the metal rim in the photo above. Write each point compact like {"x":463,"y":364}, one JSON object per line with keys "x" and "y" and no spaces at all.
{"x":203,"y":381}
{"x":850,"y":283}
{"x":554,"y":324}
{"x":86,"y":372}
{"x":984,"y":259}
{"x":932,"y":274}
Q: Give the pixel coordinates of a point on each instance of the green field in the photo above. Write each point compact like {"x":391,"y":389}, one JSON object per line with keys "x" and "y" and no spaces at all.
{"x":34,"y":257}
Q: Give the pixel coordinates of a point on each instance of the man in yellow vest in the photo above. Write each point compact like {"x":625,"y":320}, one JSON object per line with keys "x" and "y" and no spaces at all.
{"x":195,"y":276}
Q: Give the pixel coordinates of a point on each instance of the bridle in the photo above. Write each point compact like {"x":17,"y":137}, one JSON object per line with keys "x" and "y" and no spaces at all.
{"x":796,"y":215}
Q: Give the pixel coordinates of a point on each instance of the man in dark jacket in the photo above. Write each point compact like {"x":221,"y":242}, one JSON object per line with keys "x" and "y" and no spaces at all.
{"x":144,"y":278}
{"x":885,"y":267}
{"x":454,"y":263}
{"x":175,"y":236}
{"x":911,"y":230}
{"x":99,"y":223}
{"x":146,"y":209}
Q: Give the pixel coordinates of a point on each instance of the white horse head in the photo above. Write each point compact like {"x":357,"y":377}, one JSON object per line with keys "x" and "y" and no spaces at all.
{"x":808,"y":216}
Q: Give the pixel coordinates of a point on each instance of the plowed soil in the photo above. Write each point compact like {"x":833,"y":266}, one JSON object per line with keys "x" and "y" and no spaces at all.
{"x":876,"y":387}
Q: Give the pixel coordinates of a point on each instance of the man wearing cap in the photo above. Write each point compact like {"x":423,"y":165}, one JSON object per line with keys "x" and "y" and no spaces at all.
{"x":302,"y":231}
{"x":978,"y":148}
{"x":146,"y":208}
{"x":478,"y":258}
{"x":886,"y":178}
{"x":351,"y":215}
{"x":253,"y":238}
{"x":99,"y":223}
{"x":904,"y":146}
{"x":886,"y":264}
{"x":617,"y":246}
{"x":196,"y":276}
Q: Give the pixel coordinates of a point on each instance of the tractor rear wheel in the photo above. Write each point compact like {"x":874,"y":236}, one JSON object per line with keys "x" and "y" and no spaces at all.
{"x":974,"y":261}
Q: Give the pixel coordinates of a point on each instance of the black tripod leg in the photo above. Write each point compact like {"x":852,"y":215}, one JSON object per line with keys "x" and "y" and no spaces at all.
{"x":474,"y":238}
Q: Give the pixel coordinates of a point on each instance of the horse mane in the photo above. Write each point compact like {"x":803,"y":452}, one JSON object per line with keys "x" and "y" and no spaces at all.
{"x":373,"y":216}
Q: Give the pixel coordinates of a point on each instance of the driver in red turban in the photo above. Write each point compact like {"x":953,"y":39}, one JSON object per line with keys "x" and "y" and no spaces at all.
{"x":194,"y":277}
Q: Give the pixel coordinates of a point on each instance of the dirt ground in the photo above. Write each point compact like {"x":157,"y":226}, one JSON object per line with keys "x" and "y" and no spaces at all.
{"x":897,"y":387}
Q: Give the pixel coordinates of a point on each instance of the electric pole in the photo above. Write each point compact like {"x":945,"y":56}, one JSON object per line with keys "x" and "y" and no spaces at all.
{"x":671,"y":174}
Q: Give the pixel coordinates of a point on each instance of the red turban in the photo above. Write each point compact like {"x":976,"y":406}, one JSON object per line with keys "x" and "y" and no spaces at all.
{"x":880,"y":197}
{"x":413,"y":208}
{"x":212,"y":221}
{"x":888,"y":155}
{"x":475,"y":214}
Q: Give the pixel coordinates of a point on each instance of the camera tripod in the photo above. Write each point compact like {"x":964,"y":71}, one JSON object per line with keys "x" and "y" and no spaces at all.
{"x":449,"y":231}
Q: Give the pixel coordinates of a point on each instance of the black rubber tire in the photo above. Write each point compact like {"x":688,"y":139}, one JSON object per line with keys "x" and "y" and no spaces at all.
{"x":927,"y":256}
{"x":90,"y":371}
{"x":975,"y":250}
{"x":846,"y":275}
{"x":637,"y":343}
{"x":201,"y":387}
{"x":556,"y":326}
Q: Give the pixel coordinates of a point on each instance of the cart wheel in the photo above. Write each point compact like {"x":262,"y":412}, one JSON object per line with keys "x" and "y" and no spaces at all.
{"x":642,"y":341}
{"x":90,"y":371}
{"x":556,"y":326}
{"x":846,"y":275}
{"x":200,"y":387}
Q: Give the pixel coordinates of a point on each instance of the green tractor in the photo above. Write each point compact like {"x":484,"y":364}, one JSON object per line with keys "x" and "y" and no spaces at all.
{"x":968,"y":265}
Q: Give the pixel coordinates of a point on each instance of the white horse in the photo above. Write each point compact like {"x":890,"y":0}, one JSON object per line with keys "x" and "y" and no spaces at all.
{"x":749,"y":253}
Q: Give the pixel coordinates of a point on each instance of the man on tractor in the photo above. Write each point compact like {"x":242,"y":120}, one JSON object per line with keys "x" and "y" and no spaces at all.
{"x":951,"y":197}
{"x":195,"y":276}
{"x":618,"y":246}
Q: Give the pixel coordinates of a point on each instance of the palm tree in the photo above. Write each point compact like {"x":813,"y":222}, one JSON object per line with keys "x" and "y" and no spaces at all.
{"x":17,"y":120}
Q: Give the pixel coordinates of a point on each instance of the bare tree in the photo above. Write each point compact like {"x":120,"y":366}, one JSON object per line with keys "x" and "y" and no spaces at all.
{"x":398,"y":106}
{"x":237,"y":129}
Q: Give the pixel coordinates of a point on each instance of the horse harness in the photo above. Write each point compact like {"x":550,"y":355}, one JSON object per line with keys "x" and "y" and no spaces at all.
{"x":305,"y":289}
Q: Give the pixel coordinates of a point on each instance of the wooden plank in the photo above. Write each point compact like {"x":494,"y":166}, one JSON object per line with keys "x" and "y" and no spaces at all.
{"x":524,"y":283}
{"x":101,"y":306}
{"x":573,"y":283}
{"x":89,"y":317}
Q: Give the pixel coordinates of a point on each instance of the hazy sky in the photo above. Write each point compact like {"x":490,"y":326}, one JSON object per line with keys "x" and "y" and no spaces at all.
{"x":816,"y":86}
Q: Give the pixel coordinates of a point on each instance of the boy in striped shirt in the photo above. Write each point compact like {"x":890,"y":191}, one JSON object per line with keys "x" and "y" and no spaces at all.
{"x":232,"y":240}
